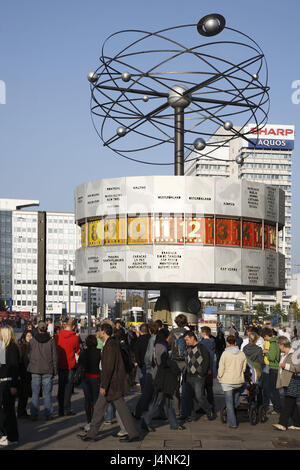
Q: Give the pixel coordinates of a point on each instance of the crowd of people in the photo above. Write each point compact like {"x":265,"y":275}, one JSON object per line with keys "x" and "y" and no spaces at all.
{"x":175,"y":370}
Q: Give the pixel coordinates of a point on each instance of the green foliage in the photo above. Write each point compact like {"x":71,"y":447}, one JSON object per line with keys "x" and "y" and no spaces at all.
{"x":277,"y":309}
{"x":261,"y":310}
{"x":297,"y":310}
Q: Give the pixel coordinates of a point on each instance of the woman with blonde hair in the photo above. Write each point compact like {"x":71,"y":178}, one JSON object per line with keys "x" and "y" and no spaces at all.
{"x":9,"y":373}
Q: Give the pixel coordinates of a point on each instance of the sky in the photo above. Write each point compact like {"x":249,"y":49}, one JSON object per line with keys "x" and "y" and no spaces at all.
{"x":48,"y":144}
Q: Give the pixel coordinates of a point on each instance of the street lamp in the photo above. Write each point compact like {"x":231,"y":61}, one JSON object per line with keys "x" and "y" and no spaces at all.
{"x":67,"y":270}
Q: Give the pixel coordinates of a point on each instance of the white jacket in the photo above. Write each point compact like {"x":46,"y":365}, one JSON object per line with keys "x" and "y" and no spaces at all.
{"x":260,"y":342}
{"x":232,"y":366}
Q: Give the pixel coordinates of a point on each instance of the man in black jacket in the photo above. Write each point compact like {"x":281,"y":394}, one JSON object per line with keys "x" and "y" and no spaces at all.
{"x":42,"y":365}
{"x":197,"y":361}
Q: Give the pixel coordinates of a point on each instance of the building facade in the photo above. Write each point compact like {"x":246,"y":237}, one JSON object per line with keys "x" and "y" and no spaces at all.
{"x":19,"y":259}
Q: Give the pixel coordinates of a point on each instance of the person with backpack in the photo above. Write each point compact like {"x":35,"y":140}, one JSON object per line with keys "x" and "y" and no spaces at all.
{"x":165,"y":384}
{"x":197,"y":366}
{"x":177,"y":347}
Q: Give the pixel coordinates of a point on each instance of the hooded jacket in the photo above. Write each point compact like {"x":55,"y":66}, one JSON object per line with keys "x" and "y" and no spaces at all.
{"x":67,"y":343}
{"x":274,"y":353}
{"x":42,"y":355}
{"x":232,"y":366}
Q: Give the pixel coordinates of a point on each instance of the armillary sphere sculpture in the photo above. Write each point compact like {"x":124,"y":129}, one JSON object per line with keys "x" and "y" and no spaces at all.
{"x":144,"y":101}
{"x":177,"y":233}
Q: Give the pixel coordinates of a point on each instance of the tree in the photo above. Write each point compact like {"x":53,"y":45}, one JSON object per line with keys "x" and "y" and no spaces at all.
{"x":134,"y":301}
{"x":295,"y":306}
{"x":261,"y":310}
{"x":277,"y":309}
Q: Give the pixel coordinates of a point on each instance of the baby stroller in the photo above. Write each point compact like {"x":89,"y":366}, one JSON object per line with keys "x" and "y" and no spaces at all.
{"x":251,"y":403}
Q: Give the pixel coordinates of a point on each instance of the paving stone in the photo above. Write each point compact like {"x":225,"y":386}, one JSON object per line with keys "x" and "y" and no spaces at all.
{"x":285,"y":443}
{"x":153,"y":444}
{"x":222,"y":445}
{"x":182,"y":444}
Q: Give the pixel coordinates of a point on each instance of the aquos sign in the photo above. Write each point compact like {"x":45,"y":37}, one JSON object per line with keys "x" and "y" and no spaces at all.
{"x":271,"y":137}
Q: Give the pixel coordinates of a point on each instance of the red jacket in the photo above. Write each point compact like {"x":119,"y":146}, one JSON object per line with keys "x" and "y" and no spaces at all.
{"x":67,"y":343}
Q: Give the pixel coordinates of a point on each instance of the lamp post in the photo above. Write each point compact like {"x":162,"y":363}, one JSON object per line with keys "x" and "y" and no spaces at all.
{"x":67,"y":269}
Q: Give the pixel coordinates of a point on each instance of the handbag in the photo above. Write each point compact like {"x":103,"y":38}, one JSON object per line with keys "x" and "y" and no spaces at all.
{"x":78,"y":375}
{"x":293,"y":389}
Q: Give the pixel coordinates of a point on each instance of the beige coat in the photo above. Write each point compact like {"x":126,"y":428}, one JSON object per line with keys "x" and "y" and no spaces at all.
{"x":232,"y":366}
{"x":284,"y":377}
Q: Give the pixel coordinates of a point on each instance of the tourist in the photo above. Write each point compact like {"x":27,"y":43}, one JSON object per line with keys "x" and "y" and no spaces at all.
{"x":231,"y":377}
{"x":89,"y":360}
{"x":288,"y":379}
{"x":114,"y":385}
{"x":273,"y":356}
{"x":24,"y":389}
{"x":197,"y":366}
{"x":67,"y":343}
{"x":9,"y":373}
{"x":42,"y":365}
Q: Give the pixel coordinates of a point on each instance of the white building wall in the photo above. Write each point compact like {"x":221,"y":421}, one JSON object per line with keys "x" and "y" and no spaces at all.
{"x":63,"y":237}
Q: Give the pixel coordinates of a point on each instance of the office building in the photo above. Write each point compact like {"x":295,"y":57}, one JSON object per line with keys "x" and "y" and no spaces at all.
{"x":19,"y":258}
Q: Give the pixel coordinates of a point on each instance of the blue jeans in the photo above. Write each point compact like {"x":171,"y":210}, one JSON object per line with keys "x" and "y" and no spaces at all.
{"x":142,"y":377}
{"x":110,"y":413}
{"x":196,"y":385}
{"x":36,"y":381}
{"x":232,"y":398}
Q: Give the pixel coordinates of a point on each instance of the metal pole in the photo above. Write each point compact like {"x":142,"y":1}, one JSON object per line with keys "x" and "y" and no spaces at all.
{"x":179,"y":141}
{"x":41,"y":267}
{"x":89,"y":310}
{"x":69,"y":290}
{"x":146,"y":305}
